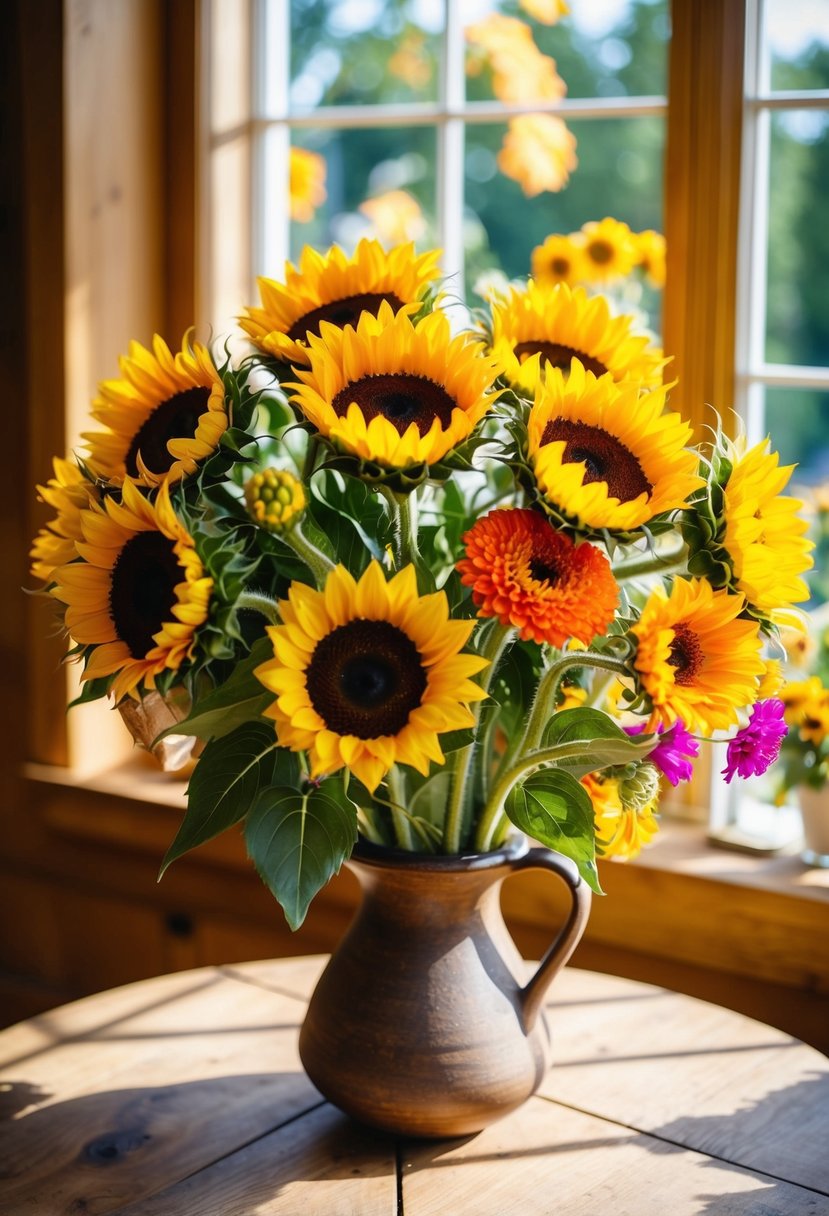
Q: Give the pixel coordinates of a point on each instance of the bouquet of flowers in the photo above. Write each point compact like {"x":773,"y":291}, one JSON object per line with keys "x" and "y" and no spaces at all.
{"x":418,"y":584}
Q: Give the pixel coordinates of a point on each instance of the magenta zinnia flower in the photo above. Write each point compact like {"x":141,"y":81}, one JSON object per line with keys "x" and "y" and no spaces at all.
{"x":754,"y":748}
{"x":673,"y":751}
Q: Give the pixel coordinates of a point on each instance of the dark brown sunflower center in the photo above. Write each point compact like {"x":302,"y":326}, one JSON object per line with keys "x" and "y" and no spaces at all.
{"x":604,"y":456}
{"x":365,"y":678}
{"x":401,"y":398}
{"x":142,"y":590}
{"x":686,"y":654}
{"x":175,"y":418}
{"x":542,"y":572}
{"x":601,"y":252}
{"x":560,"y":265}
{"x":558,"y":355}
{"x":341,"y":313}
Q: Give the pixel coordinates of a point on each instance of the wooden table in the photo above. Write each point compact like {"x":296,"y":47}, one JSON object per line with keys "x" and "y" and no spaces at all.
{"x":184,"y":1096}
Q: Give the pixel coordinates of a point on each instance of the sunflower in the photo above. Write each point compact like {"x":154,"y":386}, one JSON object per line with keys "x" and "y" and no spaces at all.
{"x":696,"y":658}
{"x":764,"y":534}
{"x":621,"y":831}
{"x":367,"y":674}
{"x":604,"y":454}
{"x":650,"y":249}
{"x":806,"y":705}
{"x":336,"y":288}
{"x":558,"y":260}
{"x":392,"y":392}
{"x":610,"y":250}
{"x":551,"y":323}
{"x":69,"y":493}
{"x":528,"y":575}
{"x":163,"y":417}
{"x":307,"y":172}
{"x":139,"y":592}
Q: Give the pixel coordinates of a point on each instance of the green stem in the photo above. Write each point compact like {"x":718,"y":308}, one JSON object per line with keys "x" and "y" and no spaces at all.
{"x":494,"y":809}
{"x":310,"y":458}
{"x":257,"y":601}
{"x":316,"y":561}
{"x":651,"y":563}
{"x":407,"y":515}
{"x":456,"y":825}
{"x":399,"y":817}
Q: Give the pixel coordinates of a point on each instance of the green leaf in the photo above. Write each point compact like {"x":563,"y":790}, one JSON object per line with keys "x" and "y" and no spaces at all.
{"x":226,"y":783}
{"x":554,"y":808}
{"x":297,"y":841}
{"x":240,"y":699}
{"x":605,"y":743}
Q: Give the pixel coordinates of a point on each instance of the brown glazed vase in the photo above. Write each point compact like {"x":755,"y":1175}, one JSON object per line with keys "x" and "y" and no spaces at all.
{"x":421,"y":1023}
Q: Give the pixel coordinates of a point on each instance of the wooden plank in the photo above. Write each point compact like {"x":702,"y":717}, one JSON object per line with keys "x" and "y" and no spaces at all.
{"x":322,"y":1164}
{"x":545,"y":1160}
{"x":142,"y":1102}
{"x":690,"y":1072}
{"x":295,"y":976}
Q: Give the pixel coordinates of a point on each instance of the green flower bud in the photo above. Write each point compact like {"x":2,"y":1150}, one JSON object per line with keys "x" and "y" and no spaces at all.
{"x":638,"y":785}
{"x":275,"y":499}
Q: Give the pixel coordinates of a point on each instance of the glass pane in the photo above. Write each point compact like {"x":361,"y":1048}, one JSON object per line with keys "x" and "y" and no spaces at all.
{"x":797,"y":324}
{"x":599,"y":50}
{"x":797,"y":33}
{"x":798,"y":422}
{"x":619,"y":172}
{"x":377,"y":182}
{"x":358,"y":52}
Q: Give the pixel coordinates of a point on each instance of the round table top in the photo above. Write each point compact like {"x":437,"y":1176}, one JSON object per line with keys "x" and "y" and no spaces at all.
{"x":184,"y":1096}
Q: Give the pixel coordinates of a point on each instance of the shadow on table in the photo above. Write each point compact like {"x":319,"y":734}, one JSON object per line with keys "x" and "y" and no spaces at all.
{"x":117,"y":1149}
{"x":784,"y":1135}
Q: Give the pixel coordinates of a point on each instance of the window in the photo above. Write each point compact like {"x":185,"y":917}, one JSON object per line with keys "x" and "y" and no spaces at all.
{"x":782,"y":385}
{"x":397,"y":104}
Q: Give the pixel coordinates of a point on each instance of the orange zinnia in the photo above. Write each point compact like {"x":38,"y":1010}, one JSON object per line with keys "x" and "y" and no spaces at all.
{"x":525,"y":573}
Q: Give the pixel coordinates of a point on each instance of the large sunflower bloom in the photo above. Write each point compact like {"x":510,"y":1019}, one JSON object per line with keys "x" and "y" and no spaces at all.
{"x":528,"y":575}
{"x":69,"y":493}
{"x":604,"y":454}
{"x":368,"y":674}
{"x":139,"y":592}
{"x":621,"y":831}
{"x":336,"y":288}
{"x":610,"y":250}
{"x":393,"y":392}
{"x":764,"y":534}
{"x":696,"y":658}
{"x":551,"y":323}
{"x":165,"y":416}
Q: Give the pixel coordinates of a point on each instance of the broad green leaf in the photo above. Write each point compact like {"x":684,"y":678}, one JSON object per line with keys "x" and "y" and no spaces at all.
{"x":240,"y":699}
{"x":297,"y":841}
{"x":605,"y":743}
{"x":226,"y":783}
{"x":552,"y":807}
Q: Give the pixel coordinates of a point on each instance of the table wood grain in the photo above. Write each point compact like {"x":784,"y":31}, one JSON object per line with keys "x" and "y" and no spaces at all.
{"x":184,"y":1096}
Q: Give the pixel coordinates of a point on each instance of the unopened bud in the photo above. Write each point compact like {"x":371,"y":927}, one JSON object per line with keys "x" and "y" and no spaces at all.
{"x":638,"y":786}
{"x":275,"y":499}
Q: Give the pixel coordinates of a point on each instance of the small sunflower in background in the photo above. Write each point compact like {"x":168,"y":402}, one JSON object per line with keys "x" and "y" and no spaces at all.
{"x":605,"y":455}
{"x":535,"y":579}
{"x":164,"y":416}
{"x":557,"y":260}
{"x":651,"y":250}
{"x":336,"y":288}
{"x":551,"y":325}
{"x":307,"y":184}
{"x":395,"y":393}
{"x":368,"y":674}
{"x":139,"y":593}
{"x":697,"y":658}
{"x":610,"y":250}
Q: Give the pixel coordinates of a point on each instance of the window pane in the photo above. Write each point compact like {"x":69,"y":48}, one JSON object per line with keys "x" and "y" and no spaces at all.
{"x":797,"y":420}
{"x":358,"y":52}
{"x":599,"y":50}
{"x":797,"y":325}
{"x":619,"y":173}
{"x":798,"y":42}
{"x":377,"y":182}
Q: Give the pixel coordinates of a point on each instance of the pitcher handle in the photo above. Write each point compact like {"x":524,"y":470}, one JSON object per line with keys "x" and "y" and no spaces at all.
{"x":532,"y":994}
